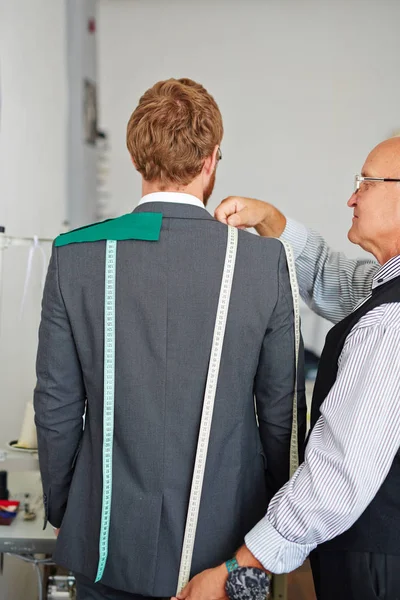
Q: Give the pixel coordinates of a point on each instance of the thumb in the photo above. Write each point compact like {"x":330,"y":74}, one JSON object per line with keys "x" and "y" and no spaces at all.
{"x":239,"y":219}
{"x":228,"y":207}
{"x":183,"y":593}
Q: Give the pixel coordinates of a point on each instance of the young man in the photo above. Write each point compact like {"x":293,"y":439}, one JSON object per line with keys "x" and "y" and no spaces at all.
{"x":126,"y":530}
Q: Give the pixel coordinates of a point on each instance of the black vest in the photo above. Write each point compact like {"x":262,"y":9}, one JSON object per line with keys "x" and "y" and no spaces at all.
{"x":378,"y":528}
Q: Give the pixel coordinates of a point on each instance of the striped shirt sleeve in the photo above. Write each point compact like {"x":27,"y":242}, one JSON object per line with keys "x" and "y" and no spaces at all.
{"x":330,"y":283}
{"x":338,"y":479}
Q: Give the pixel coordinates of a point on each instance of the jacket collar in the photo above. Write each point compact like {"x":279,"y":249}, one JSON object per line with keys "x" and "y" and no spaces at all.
{"x":175,"y":211}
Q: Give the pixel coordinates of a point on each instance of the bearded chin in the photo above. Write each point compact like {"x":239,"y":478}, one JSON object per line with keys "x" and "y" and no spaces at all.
{"x":209,"y":189}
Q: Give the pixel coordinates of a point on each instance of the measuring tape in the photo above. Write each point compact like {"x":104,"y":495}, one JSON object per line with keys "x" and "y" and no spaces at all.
{"x":294,"y":438}
{"x":108,"y":409}
{"x":280,"y":581}
{"x":208,"y":407}
{"x":209,"y":398}
{"x":212,"y":380}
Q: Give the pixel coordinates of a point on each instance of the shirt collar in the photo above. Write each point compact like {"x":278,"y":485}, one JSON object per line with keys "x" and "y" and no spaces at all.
{"x":176,"y":197}
{"x":388,"y":271}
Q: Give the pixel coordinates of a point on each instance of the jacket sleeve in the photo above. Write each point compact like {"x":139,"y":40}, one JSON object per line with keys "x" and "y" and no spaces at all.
{"x":59,"y":398}
{"x":275,"y":384}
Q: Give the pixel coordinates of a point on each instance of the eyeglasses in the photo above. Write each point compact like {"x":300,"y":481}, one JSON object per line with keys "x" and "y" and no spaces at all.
{"x":219,"y":154}
{"x":360,"y":178}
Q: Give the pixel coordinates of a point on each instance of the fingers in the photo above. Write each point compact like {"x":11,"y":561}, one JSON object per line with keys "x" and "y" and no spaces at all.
{"x":241,"y":212}
{"x":228,"y":207}
{"x":183,"y":593}
{"x":239,"y":219}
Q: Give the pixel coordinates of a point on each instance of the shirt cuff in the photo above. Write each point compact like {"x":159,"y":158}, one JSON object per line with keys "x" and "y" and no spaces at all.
{"x":276,"y":553}
{"x":297,"y":235}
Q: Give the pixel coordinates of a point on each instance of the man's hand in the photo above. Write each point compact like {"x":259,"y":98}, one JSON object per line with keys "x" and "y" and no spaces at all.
{"x":56,"y":531}
{"x":248,"y":212}
{"x":208,"y":585}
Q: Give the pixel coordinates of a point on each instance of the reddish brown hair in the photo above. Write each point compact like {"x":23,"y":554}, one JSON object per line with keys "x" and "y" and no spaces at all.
{"x":174,"y":128}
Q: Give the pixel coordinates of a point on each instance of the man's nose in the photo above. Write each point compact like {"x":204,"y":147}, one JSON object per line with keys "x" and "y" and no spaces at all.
{"x":352,"y":201}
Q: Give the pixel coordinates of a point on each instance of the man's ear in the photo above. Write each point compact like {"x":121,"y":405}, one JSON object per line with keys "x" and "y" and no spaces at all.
{"x":211,"y":162}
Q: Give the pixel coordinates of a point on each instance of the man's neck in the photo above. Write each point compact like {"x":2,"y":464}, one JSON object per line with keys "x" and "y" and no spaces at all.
{"x":153,"y":187}
{"x":383,"y":255}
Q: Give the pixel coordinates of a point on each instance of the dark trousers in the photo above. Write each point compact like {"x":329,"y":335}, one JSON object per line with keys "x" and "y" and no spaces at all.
{"x":355,"y":575}
{"x":87,"y":590}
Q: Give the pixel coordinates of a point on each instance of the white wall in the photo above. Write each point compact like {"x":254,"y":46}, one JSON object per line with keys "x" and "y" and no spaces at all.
{"x":306,"y":89}
{"x":41,"y":133}
{"x":32,"y":202}
{"x":32,"y":178}
{"x":41,"y":119}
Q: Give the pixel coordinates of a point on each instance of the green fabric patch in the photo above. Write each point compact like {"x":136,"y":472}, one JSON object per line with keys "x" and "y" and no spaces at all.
{"x":133,"y":226}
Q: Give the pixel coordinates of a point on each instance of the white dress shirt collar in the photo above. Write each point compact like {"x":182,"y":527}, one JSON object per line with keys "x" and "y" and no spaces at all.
{"x":388,"y":271}
{"x":177,"y":197}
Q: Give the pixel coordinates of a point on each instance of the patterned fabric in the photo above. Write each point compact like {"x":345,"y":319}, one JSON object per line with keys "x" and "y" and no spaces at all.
{"x":330,"y":283}
{"x":247,"y":583}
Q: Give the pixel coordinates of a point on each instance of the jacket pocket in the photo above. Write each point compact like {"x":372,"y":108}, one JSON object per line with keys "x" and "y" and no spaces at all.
{"x":264,"y":459}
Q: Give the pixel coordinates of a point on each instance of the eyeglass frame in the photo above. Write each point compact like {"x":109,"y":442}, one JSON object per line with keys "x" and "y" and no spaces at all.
{"x":219,"y":154}
{"x":358,"y":180}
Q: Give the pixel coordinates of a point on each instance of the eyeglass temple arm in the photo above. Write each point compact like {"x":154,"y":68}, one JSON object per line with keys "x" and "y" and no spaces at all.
{"x":361,"y":178}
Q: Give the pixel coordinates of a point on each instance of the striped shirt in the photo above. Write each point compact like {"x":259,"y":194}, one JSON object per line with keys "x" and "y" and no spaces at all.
{"x":339,"y":478}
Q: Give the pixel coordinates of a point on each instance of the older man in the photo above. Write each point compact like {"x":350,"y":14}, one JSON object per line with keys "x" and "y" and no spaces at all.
{"x":344,"y":500}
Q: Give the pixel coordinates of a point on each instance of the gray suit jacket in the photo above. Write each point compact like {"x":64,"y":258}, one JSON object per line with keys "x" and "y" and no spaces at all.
{"x":166,"y":301}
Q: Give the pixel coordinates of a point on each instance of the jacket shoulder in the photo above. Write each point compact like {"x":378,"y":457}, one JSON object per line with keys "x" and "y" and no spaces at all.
{"x":133,"y":226}
{"x":265,"y":246}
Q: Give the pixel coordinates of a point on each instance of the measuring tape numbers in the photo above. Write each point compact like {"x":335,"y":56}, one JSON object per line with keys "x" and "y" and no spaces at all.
{"x":109,"y":392}
{"x":294,"y":439}
{"x":208,"y":407}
